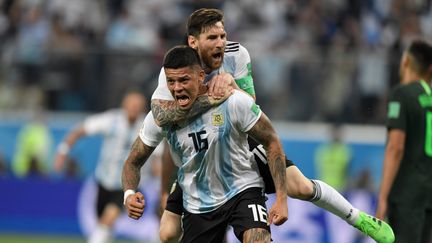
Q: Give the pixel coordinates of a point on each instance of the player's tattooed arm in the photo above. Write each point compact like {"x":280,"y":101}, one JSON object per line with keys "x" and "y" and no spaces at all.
{"x":265,"y":134}
{"x":138,"y":155}
{"x":166,"y":112}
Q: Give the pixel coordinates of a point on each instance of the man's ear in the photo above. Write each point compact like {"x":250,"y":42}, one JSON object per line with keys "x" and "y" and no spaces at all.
{"x":192,"y":41}
{"x":202,"y":76}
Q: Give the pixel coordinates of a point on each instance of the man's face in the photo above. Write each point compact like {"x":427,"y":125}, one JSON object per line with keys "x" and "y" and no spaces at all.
{"x":185,"y":85}
{"x":210,"y":45}
{"x":134,"y":105}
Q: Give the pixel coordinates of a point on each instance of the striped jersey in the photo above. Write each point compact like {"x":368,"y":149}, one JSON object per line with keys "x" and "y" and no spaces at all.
{"x":236,"y":61}
{"x":118,"y":137}
{"x":211,"y":152}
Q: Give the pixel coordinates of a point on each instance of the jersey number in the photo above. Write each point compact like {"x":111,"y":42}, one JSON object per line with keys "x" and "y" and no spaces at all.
{"x":428,"y":139}
{"x":200,"y":143}
{"x":259,"y":212}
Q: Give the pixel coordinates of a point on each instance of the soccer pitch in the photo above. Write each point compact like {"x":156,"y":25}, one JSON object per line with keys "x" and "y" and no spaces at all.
{"x":16,"y":238}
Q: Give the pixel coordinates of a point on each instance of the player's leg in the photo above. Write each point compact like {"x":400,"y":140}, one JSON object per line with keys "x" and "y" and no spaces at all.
{"x":170,"y":224}
{"x":170,"y":227}
{"x":326,"y":197}
{"x":427,"y":227}
{"x":249,"y":216}
{"x":205,"y":227}
{"x":257,"y":235}
{"x":109,"y":208}
{"x":320,"y":194}
{"x":408,"y":222}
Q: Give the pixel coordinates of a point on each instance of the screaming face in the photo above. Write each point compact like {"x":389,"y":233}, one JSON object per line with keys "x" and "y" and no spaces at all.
{"x":185,"y":84}
{"x":210,"y":45}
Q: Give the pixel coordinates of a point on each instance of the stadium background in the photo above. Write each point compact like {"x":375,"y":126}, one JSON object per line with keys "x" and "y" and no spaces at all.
{"x":315,"y":63}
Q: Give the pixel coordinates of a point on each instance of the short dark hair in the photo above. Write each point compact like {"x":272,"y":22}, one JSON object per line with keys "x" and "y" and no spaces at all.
{"x":181,"y":56}
{"x":421,"y":53}
{"x":203,"y":18}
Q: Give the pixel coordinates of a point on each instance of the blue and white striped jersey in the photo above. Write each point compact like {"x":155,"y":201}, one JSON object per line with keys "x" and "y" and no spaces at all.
{"x":118,"y":137}
{"x":236,"y":61}
{"x":211,"y":152}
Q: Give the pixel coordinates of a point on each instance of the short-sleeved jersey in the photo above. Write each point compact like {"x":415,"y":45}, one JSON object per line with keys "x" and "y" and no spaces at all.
{"x":410,"y":109}
{"x":118,"y":137}
{"x":236,"y":61}
{"x":211,"y":152}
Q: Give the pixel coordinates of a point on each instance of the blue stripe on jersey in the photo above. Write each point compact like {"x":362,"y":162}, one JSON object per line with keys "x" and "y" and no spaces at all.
{"x":226,"y":167}
{"x":202,"y":184}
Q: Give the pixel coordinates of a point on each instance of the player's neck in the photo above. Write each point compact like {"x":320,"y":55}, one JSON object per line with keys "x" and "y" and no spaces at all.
{"x":411,"y":76}
{"x":207,"y":70}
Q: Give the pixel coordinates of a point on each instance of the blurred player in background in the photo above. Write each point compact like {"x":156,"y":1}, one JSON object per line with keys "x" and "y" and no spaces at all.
{"x":405,"y":193}
{"x":34,"y":148}
{"x":228,"y":64}
{"x":118,"y":128}
{"x":221,"y":184}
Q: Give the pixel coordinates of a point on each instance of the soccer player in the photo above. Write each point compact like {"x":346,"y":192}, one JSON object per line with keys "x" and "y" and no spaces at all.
{"x":228,"y":63}
{"x":405,"y":193}
{"x":119,"y":128}
{"x":221,"y":183}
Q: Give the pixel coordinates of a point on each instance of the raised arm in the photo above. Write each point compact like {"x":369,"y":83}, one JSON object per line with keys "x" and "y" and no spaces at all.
{"x":66,"y":145}
{"x":265,"y":134}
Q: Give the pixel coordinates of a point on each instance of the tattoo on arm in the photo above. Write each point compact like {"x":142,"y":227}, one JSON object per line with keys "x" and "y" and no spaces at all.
{"x":131,"y":169}
{"x":256,"y":235}
{"x":166,"y":112}
{"x":265,"y":134}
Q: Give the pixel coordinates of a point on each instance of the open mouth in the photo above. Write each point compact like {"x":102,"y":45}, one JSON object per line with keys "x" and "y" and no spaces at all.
{"x":217,"y":56}
{"x":182,"y":100}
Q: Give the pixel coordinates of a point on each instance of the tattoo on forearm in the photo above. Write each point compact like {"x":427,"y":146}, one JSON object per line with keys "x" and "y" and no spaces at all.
{"x":166,"y":112}
{"x":265,"y":134}
{"x":256,"y":235}
{"x":277,"y":169}
{"x":131,"y":170}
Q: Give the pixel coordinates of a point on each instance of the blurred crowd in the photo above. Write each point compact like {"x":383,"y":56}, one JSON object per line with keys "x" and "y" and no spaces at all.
{"x":313,"y":60}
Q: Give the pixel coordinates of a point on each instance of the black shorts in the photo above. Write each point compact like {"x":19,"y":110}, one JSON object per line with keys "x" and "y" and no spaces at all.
{"x":247,"y":210}
{"x":105,"y":197}
{"x":410,"y":223}
{"x":261,"y":159}
{"x":175,"y":199}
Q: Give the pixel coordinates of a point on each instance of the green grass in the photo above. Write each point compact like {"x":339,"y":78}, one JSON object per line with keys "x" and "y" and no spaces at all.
{"x":15,"y":238}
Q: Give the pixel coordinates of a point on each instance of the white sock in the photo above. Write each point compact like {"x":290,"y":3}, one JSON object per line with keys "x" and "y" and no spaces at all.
{"x":328,"y":198}
{"x":101,"y":234}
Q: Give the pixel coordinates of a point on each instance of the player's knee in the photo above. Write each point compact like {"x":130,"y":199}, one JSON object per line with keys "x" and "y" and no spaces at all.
{"x":169,"y":230}
{"x":299,"y":189}
{"x":167,"y":234}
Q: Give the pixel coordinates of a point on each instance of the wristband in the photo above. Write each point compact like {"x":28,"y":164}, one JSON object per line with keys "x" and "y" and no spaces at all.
{"x":127,"y":193}
{"x":63,"y":148}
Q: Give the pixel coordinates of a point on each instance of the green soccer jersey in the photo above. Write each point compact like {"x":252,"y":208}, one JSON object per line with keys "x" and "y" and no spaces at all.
{"x":410,"y":109}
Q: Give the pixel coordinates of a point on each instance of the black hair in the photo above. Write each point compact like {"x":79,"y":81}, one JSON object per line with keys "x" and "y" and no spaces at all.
{"x":421,"y":52}
{"x":181,"y":56}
